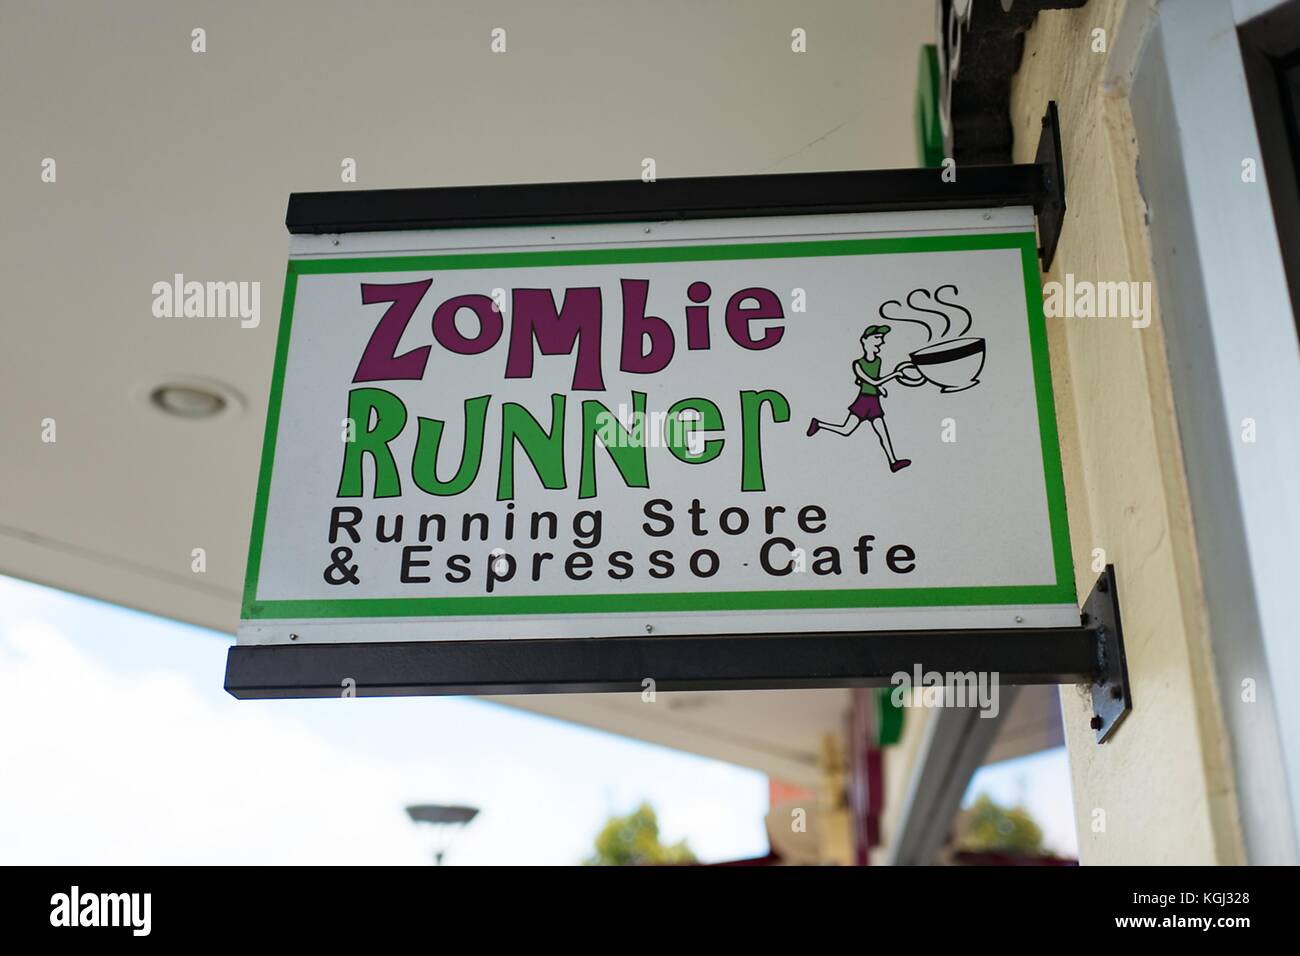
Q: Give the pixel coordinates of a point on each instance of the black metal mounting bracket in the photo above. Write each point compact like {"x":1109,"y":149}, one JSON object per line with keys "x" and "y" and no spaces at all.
{"x":1112,"y":696}
{"x":1040,"y":184}
{"x":1051,"y":213}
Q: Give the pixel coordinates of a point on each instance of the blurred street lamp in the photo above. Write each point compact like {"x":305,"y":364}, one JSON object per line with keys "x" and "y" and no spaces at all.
{"x":446,"y":821}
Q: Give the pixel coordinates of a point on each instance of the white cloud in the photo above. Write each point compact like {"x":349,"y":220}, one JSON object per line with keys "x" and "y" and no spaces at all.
{"x":105,"y":768}
{"x":142,"y":766}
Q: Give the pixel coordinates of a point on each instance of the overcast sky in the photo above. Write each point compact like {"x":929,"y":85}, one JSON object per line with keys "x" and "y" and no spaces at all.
{"x":119,"y":746}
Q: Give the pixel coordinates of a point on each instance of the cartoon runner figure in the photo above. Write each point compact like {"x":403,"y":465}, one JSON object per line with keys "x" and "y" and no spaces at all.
{"x":870,"y":390}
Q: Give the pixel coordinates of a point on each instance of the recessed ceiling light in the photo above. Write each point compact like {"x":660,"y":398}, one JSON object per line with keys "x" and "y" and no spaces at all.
{"x":186,"y":401}
{"x":193,"y":399}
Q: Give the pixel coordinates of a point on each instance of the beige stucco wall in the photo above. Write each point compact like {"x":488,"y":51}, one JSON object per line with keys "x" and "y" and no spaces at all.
{"x":1163,"y":782}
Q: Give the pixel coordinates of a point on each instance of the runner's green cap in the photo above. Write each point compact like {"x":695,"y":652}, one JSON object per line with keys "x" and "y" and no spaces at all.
{"x":875,"y":330}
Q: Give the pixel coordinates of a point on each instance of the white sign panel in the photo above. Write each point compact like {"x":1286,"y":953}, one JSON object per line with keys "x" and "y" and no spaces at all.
{"x":800,"y":424}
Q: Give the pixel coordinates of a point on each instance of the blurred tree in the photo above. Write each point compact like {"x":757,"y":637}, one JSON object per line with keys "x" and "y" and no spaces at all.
{"x":987,"y":826}
{"x":633,"y":840}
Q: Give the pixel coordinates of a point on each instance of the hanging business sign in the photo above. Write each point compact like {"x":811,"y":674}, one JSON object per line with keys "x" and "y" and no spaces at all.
{"x":730,"y":426}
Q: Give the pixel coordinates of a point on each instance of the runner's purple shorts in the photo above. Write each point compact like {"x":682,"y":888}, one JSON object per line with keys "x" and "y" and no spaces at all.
{"x":867,"y":407}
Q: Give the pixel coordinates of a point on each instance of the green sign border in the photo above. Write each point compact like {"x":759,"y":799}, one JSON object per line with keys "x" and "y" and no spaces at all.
{"x":1062,"y":592}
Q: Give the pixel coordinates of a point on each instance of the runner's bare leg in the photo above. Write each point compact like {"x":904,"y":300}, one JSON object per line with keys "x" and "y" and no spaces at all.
{"x":882,"y":432}
{"x":848,"y":428}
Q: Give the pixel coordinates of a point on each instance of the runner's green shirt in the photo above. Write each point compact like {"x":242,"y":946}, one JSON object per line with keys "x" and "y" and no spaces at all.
{"x":871,"y":368}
